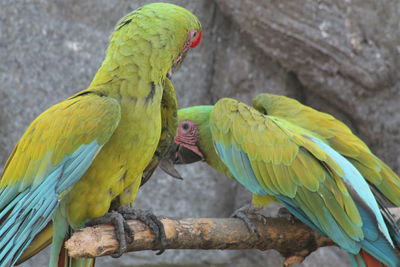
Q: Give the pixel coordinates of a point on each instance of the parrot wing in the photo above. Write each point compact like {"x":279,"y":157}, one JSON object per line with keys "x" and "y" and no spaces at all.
{"x":52,"y":155}
{"x":40,"y":242}
{"x":169,"y":123}
{"x":271,"y":156}
{"x":338,"y":136}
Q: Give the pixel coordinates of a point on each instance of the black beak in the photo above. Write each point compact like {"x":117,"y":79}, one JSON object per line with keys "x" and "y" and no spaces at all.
{"x":167,"y":163}
{"x":185,"y":156}
{"x":168,"y":167}
{"x":177,"y":155}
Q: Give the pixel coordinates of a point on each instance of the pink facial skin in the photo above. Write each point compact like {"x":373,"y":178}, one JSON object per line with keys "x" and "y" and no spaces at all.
{"x":188,"y":136}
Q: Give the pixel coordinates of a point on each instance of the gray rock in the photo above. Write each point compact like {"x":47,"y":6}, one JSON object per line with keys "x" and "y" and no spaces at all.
{"x":346,"y":53}
{"x":338,"y":57}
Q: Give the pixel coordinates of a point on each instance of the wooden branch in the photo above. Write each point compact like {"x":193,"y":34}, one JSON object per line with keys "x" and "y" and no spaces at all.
{"x":293,"y":240}
{"x":202,"y":233}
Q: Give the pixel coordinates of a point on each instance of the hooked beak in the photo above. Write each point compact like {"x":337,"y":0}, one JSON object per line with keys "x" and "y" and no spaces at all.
{"x":176,"y":65}
{"x":178,"y":154}
{"x":167,"y":163}
{"x":168,"y":167}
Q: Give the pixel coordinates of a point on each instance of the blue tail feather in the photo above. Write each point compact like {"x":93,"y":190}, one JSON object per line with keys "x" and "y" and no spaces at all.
{"x":5,"y":195}
{"x":382,"y":250}
{"x":377,"y":240}
{"x":357,"y":260}
{"x":335,"y":232}
{"x":26,"y":213}
{"x":12,"y":204}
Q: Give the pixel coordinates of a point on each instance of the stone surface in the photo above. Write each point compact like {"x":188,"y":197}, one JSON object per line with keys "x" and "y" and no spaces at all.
{"x":344,"y":52}
{"x":339,"y":57}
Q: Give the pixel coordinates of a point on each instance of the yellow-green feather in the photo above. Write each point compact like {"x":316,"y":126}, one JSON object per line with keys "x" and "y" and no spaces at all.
{"x":169,"y":120}
{"x":274,"y":156}
{"x":303,"y":172}
{"x":141,"y":51}
{"x":200,"y":115}
{"x":40,"y":150}
{"x":131,"y":79}
{"x":262,"y":201}
{"x":338,"y":136}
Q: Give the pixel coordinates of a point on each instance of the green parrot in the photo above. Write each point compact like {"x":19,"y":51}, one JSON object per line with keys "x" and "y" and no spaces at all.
{"x":337,"y":135}
{"x":304,"y":159}
{"x":93,"y":148}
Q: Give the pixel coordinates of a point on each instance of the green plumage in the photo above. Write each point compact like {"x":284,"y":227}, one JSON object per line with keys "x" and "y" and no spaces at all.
{"x":303,"y":120}
{"x":127,"y":113}
{"x":286,"y":163}
{"x":338,"y":136}
{"x":274,"y":150}
{"x":169,"y":119}
{"x":201,"y":116}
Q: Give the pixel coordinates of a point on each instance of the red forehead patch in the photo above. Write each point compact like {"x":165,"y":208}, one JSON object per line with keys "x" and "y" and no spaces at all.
{"x":196,"y":38}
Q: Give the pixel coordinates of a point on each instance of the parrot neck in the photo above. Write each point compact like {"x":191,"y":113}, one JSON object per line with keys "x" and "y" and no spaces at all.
{"x":209,"y":152}
{"x":132,"y":80}
{"x":130,"y":70}
{"x":200,"y":115}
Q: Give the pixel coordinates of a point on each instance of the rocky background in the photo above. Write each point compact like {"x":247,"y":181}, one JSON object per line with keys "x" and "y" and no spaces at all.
{"x":341,"y":57}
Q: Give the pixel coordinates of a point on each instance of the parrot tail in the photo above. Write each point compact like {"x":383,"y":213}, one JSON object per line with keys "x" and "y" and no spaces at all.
{"x":41,"y":241}
{"x":23,"y":218}
{"x":364,"y":259}
{"x":65,"y":261}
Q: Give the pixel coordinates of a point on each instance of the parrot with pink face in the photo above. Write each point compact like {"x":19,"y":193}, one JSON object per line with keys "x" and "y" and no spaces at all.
{"x":305,"y":159}
{"x":93,"y":148}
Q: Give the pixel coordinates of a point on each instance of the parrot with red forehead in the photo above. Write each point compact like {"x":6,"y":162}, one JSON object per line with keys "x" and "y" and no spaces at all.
{"x":94,"y":147}
{"x":305,"y":159}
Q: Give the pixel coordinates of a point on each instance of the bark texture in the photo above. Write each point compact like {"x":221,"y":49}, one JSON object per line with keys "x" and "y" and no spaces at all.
{"x":293,"y":240}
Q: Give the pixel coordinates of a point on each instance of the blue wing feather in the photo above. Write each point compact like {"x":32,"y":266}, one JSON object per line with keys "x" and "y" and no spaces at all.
{"x":27,"y":213}
{"x":78,"y":167}
{"x":357,"y":184}
{"x":239,"y":165}
{"x":377,"y":240}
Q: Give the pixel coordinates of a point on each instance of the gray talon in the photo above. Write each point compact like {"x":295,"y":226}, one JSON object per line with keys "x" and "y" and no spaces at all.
{"x":130,"y":235}
{"x":148,"y":218}
{"x":245,"y":213}
{"x":120,"y":225}
{"x":284,"y":213}
{"x":118,"y":220}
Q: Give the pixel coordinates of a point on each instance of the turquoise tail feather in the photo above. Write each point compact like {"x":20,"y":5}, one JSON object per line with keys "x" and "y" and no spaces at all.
{"x":24,"y":214}
{"x":357,"y":260}
{"x":377,"y":241}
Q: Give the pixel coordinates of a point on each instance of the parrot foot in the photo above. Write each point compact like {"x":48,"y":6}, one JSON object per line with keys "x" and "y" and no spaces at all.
{"x":245,"y":213}
{"x":148,"y":218}
{"x":121,"y":227}
{"x":284,"y":213}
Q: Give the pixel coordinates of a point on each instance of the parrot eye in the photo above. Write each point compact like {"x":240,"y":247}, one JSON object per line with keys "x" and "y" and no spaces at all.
{"x":185,"y":126}
{"x":195,"y":38}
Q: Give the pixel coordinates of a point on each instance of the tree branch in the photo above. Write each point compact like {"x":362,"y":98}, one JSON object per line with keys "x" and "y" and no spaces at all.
{"x":293,"y":240}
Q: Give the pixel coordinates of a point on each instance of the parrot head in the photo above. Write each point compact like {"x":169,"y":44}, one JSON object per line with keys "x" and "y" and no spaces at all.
{"x":194,"y":38}
{"x":157,"y":35}
{"x":187,"y":139}
{"x":193,"y":139}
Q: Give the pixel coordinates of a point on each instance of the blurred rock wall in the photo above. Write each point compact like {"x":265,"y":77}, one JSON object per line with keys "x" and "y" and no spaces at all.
{"x":341,"y":57}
